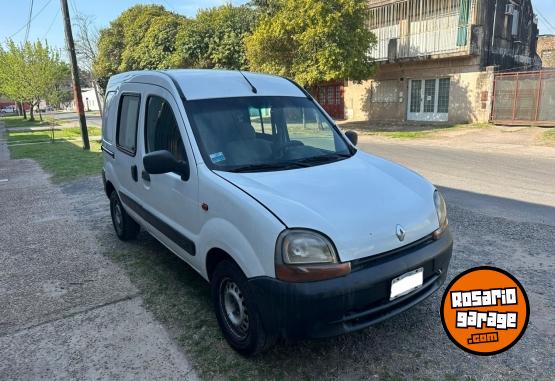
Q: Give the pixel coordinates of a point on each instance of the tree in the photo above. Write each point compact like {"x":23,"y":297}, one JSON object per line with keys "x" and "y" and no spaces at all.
{"x":31,"y":72}
{"x":86,"y":47}
{"x":313,"y":41}
{"x":142,"y":37}
{"x":215,"y":39}
{"x":12,"y":72}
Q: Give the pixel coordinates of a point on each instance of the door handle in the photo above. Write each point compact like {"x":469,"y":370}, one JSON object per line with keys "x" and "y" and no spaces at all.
{"x":134,"y":173}
{"x":145,"y":175}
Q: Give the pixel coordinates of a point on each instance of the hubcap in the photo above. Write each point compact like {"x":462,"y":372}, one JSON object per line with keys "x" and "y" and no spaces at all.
{"x":118,"y":214}
{"x":234,"y":308}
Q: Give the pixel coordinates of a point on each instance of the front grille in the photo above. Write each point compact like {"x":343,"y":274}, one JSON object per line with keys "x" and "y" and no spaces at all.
{"x":362,"y":263}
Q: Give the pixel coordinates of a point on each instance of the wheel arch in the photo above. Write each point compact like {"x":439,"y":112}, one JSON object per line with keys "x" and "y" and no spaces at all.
{"x":109,"y":188}
{"x":214,"y":257}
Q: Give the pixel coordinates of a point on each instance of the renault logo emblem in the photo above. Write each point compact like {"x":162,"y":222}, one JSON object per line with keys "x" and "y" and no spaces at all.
{"x":400,"y":233}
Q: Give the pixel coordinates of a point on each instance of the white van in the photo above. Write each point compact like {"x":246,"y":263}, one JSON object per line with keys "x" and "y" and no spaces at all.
{"x":249,"y":181}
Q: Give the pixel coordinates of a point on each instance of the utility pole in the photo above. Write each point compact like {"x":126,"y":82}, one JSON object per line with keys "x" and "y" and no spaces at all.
{"x":78,"y":99}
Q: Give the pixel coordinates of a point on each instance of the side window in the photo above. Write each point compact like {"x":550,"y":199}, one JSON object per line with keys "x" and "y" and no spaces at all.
{"x":161,"y":128}
{"x":307,"y":126}
{"x":108,"y":128}
{"x":128,"y":119}
{"x":261,"y":120}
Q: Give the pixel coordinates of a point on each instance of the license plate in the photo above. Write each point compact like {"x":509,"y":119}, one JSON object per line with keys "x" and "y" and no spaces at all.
{"x":406,"y":283}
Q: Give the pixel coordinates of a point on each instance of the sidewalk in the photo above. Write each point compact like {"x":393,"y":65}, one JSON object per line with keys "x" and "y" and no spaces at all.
{"x":67,"y":312}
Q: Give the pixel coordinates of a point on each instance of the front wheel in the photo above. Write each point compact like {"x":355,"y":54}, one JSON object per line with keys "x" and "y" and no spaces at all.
{"x":236,"y":311}
{"x":126,"y":228}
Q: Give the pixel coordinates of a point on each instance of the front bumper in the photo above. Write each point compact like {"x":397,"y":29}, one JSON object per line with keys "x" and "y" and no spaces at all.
{"x":355,"y":301}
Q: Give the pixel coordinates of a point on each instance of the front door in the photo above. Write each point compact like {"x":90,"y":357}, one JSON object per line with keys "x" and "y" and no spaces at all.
{"x":171,"y":202}
{"x":330,"y":97}
{"x":429,"y":100}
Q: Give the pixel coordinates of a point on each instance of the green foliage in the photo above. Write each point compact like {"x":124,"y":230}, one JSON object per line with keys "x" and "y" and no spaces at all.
{"x":142,"y":37}
{"x":310,"y":40}
{"x":32,"y":72}
{"x":215,"y":38}
{"x":313,"y":41}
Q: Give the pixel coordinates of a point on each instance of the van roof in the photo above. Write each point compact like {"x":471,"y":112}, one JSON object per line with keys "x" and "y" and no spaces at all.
{"x":205,"y":84}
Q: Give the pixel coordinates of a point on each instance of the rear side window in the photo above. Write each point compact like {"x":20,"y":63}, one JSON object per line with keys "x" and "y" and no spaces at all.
{"x":108,"y":128}
{"x":161,"y":128}
{"x":128,"y":119}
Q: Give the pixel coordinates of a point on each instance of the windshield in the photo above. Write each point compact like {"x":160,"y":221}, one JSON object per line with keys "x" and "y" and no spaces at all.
{"x":251,"y":134}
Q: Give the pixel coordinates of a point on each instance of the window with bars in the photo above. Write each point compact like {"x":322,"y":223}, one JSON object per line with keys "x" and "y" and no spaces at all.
{"x":415,"y":95}
{"x":385,"y":91}
{"x":429,"y":95}
{"x":322,"y":95}
{"x":330,"y":100}
{"x":443,"y":96}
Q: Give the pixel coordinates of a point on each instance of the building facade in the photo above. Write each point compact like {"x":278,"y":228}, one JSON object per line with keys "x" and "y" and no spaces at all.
{"x":546,"y":51}
{"x":436,"y":58}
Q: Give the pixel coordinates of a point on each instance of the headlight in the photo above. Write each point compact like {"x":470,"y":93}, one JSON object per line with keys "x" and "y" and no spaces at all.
{"x":305,"y":255}
{"x":304,"y":246}
{"x":441,"y":210}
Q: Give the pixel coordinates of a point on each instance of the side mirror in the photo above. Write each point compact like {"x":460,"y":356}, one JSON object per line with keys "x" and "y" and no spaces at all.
{"x":352,"y":136}
{"x":159,"y":162}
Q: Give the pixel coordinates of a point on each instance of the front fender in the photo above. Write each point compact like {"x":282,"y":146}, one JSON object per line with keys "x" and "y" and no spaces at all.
{"x":221,"y":234}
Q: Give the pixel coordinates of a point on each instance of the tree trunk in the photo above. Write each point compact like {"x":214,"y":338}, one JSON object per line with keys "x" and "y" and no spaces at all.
{"x":98,"y":99}
{"x":23,"y":109}
{"x":31,"y":113}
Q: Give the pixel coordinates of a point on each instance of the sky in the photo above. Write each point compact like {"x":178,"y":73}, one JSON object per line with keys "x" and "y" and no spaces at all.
{"x":47,"y":22}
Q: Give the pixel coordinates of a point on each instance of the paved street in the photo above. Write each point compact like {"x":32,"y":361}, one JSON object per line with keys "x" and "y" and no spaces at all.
{"x":92,"y":117}
{"x":498,"y":184}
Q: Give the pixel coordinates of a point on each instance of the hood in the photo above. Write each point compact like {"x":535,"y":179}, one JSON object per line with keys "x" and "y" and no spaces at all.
{"x":357,"y":202}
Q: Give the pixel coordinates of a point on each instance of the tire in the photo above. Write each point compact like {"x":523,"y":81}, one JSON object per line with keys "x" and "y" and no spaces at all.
{"x":236,"y":311}
{"x":126,"y":228}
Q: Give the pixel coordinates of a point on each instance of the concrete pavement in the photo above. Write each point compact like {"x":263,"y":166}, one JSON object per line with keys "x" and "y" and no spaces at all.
{"x":67,"y":311}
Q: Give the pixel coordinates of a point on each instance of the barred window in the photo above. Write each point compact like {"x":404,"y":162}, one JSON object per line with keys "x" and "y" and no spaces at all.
{"x":443,"y":95}
{"x":385,"y":91}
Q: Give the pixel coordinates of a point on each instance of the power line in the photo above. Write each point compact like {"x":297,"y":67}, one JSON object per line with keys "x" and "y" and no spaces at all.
{"x":74,"y":7}
{"x":52,"y":23}
{"x":29,"y":21}
{"x":546,"y":21}
{"x":33,"y":18}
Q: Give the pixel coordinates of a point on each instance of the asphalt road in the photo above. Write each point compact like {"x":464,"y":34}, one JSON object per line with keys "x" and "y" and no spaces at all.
{"x":515,"y":187}
{"x":92,"y":117}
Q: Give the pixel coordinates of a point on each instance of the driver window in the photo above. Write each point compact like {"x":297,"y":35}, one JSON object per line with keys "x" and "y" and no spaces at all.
{"x":307,"y":126}
{"x":161,"y":128}
{"x":261,"y":120}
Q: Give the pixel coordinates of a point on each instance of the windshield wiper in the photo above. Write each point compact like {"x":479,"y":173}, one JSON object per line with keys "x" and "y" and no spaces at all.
{"x":325,"y":158}
{"x":268,"y":167}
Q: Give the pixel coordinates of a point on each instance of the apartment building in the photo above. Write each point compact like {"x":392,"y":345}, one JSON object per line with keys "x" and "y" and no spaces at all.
{"x":546,"y":50}
{"x":436,"y":59}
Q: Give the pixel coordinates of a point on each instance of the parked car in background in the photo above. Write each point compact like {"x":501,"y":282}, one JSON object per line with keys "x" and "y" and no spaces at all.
{"x":247,"y":179}
{"x":8,"y":110}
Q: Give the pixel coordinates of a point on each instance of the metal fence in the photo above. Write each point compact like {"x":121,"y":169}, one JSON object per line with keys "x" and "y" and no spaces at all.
{"x":524,"y":98}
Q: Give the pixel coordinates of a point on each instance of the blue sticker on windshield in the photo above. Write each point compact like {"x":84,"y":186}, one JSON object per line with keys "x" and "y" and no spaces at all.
{"x":217,"y":157}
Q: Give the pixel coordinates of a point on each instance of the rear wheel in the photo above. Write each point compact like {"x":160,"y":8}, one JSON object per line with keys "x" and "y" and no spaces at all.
{"x":126,"y":228}
{"x":236,"y":312}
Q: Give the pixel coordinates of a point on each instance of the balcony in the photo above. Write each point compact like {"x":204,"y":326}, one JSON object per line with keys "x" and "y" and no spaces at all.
{"x":420,"y":29}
